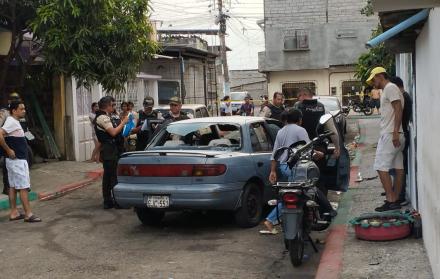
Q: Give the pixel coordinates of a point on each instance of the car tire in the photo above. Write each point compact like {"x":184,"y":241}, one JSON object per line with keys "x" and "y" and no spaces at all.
{"x":251,"y":210}
{"x":149,"y":217}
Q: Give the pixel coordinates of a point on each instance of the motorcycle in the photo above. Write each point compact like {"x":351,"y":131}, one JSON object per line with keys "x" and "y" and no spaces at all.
{"x":301,"y":212}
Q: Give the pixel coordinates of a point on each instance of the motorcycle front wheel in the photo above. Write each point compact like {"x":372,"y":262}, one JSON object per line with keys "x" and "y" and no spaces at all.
{"x":296,"y":250}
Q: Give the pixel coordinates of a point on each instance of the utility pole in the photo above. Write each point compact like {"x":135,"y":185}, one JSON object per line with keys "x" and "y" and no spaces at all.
{"x":222,"y":21}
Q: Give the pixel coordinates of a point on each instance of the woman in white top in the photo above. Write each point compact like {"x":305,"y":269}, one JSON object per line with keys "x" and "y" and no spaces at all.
{"x":92,"y":115}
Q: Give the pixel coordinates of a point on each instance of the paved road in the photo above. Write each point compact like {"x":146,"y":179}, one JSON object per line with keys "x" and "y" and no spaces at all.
{"x":78,"y":239}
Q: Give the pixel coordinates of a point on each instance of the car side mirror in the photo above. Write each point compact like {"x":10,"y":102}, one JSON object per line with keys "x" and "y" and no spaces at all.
{"x":325,"y":118}
{"x":326,"y":124}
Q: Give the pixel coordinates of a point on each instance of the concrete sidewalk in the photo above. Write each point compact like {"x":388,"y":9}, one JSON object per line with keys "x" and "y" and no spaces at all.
{"x":53,"y":179}
{"x":347,"y":257}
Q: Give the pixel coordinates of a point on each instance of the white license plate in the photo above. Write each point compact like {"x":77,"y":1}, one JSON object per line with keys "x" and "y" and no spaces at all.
{"x":157,"y":201}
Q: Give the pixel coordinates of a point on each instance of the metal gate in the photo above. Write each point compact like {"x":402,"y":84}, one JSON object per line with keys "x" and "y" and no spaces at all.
{"x":85,"y":138}
{"x":290,"y":90}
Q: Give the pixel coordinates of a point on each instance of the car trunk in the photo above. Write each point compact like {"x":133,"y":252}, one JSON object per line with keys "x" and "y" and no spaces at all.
{"x":168,"y":167}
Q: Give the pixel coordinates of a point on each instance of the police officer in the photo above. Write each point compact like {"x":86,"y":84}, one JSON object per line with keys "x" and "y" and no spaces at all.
{"x":275,"y":109}
{"x":312,"y":111}
{"x":108,"y":132}
{"x":144,"y":133}
{"x":176,"y":113}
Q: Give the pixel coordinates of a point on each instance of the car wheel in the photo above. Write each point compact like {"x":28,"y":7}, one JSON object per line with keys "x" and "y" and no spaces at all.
{"x":250,"y":212}
{"x":149,"y":217}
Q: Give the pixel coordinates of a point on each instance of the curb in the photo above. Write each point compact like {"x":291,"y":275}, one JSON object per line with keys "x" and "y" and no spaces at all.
{"x":4,"y":203}
{"x":62,"y":190}
{"x":91,"y":176}
{"x":331,"y":262}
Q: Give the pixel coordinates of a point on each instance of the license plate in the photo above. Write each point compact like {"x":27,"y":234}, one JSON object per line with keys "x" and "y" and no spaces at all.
{"x":157,"y":201}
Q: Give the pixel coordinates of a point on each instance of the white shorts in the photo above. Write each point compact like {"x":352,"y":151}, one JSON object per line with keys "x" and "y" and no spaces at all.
{"x":387,"y":156}
{"x":18,"y":173}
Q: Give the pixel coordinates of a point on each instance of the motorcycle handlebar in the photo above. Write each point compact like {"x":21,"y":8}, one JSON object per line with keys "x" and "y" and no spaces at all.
{"x":314,"y":141}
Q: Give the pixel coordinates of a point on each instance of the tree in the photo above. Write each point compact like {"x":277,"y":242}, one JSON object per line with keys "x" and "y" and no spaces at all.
{"x":376,"y":56}
{"x":100,"y":41}
{"x":15,"y":16}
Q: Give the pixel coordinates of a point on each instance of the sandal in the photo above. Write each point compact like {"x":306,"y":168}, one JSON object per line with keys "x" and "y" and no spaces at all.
{"x":32,"y":219}
{"x":18,"y":217}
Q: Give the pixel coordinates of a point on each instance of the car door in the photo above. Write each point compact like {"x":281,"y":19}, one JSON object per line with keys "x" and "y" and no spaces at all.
{"x":198,"y":114}
{"x":262,"y":145}
{"x":205,"y":112}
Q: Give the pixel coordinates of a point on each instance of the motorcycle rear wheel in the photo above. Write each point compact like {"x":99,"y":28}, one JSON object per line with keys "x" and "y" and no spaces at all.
{"x":296,"y":250}
{"x":368,"y":111}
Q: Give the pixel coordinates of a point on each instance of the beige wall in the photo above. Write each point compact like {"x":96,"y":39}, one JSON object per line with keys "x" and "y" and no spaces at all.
{"x":322,"y":79}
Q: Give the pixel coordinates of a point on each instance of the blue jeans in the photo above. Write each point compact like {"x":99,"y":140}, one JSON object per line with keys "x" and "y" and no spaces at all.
{"x":285,"y":175}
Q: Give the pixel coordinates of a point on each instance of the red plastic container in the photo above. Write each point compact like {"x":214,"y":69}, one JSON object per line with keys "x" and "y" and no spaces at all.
{"x":382,"y":233}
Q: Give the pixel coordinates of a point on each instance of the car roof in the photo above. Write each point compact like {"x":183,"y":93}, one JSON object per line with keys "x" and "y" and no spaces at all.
{"x":184,"y":106}
{"x":325,"y":97}
{"x":241,"y":120}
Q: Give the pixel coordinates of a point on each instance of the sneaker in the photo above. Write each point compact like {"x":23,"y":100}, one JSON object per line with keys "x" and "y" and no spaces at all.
{"x":402,"y":201}
{"x":388,"y":206}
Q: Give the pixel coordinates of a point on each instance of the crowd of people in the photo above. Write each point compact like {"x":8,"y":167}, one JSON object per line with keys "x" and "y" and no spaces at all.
{"x":110,"y":141}
{"x":300,"y":124}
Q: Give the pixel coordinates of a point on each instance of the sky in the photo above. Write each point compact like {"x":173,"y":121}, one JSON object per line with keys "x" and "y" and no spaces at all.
{"x":244,"y":36}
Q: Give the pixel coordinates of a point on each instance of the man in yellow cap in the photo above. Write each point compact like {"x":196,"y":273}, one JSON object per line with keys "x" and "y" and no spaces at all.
{"x":391,"y":142}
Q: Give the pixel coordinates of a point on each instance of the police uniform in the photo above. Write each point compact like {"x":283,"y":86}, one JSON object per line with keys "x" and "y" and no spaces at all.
{"x":170,"y":118}
{"x":272,"y":111}
{"x":110,"y":152}
{"x":143,"y":137}
{"x":312,"y":110}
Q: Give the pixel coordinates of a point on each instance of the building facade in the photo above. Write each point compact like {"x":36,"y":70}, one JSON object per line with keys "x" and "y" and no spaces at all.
{"x":251,"y":81}
{"x":418,"y":64}
{"x":314,"y":44}
{"x":185,"y":68}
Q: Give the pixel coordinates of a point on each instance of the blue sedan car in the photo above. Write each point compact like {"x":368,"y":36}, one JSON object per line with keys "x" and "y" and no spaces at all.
{"x":215,"y":163}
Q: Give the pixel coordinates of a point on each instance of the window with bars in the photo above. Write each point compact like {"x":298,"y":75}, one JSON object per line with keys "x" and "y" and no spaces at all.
{"x":130,"y":94}
{"x":290,"y":90}
{"x":299,"y":40}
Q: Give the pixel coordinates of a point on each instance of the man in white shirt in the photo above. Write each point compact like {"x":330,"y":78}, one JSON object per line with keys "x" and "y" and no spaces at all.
{"x":391,"y":142}
{"x":13,"y":142}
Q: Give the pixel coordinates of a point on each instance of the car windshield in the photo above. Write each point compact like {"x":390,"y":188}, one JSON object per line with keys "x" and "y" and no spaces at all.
{"x":198,"y":136}
{"x":330,"y":104}
{"x":239,"y":96}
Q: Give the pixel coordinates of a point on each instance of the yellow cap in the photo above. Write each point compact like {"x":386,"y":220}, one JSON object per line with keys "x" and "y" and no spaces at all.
{"x":375,"y":71}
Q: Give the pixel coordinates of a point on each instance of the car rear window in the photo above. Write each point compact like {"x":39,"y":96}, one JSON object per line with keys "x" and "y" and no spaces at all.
{"x":198,"y":136}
